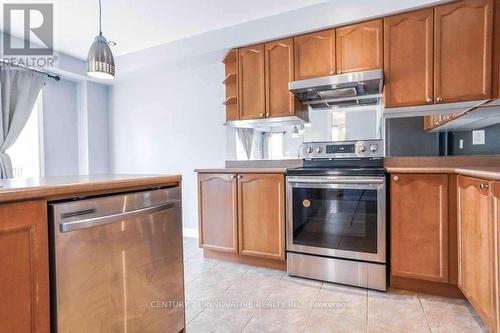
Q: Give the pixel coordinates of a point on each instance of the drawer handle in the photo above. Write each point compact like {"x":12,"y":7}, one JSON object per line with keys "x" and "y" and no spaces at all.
{"x":396,"y":178}
{"x":484,"y":186}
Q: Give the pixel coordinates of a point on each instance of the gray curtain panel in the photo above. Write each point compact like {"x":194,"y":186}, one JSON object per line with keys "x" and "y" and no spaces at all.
{"x":19,"y":90}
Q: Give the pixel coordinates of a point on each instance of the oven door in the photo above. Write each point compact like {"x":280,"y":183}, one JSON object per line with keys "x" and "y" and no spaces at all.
{"x":342,"y":217}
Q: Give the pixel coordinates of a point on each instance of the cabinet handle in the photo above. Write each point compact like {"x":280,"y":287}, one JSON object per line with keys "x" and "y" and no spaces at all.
{"x":333,"y":72}
{"x":268,"y":114}
{"x":429,"y":100}
{"x":439,"y":99}
{"x":484,"y":186}
{"x":240,"y":176}
{"x":233,"y":176}
{"x":396,"y":178}
{"x":261,"y":115}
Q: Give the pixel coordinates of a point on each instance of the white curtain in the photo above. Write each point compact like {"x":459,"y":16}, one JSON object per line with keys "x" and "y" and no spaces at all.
{"x":19,"y":90}
{"x":246,"y":138}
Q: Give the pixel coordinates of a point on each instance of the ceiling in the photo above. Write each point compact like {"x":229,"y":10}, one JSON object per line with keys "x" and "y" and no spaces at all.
{"x":137,"y":25}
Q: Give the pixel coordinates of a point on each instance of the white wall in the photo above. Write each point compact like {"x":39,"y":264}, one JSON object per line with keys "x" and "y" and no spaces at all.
{"x":60,"y":128}
{"x":98,"y":128}
{"x":166,"y":121}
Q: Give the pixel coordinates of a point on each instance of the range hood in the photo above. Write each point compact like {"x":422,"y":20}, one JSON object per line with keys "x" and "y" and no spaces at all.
{"x":337,"y":91}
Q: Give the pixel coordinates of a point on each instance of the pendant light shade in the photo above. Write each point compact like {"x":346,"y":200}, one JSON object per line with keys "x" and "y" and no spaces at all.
{"x":100,"y":61}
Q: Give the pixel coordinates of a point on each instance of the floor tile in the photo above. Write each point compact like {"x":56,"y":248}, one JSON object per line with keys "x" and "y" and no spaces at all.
{"x":395,"y":310}
{"x":450,"y":315}
{"x":278,"y":320}
{"x":325,"y":321}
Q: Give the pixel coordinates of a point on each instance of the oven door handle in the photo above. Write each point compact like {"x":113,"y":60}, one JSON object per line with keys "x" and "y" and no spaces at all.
{"x":336,"y":180}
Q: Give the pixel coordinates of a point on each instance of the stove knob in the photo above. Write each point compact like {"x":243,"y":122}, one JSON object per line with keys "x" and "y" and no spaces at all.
{"x":373,"y":147}
{"x":309,"y":150}
{"x":319,"y":150}
{"x":362,"y":148}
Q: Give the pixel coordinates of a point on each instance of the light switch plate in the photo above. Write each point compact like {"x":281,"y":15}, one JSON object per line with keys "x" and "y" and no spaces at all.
{"x":461,"y":144}
{"x":478,"y":137}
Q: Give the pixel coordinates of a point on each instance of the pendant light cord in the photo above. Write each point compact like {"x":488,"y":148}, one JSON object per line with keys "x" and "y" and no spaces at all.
{"x":100,"y":9}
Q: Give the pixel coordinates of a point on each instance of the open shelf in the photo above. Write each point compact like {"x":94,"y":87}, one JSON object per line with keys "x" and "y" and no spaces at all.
{"x":230,"y":100}
{"x":230,"y":78}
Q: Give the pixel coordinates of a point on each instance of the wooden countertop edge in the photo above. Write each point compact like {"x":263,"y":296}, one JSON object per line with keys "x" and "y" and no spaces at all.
{"x":242,"y":170}
{"x":471,"y":172}
{"x":62,"y":191}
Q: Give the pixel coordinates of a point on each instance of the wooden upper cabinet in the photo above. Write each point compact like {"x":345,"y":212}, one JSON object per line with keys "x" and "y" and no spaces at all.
{"x":217,"y":212}
{"x":408,"y":58}
{"x":314,"y":55}
{"x":496,"y":54}
{"x":359,"y":47}
{"x":419,"y":227}
{"x":251,"y":82}
{"x":463,"y":48}
{"x":476,"y":247}
{"x":261,"y":215}
{"x":24,"y":281}
{"x":279,"y":71}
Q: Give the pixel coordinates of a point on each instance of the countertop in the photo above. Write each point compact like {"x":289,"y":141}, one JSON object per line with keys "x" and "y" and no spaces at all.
{"x":50,"y":187}
{"x":490,"y":173}
{"x":487,"y":167}
{"x":242,"y":170}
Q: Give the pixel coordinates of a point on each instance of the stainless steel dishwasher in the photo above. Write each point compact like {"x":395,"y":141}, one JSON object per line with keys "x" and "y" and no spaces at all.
{"x":116,"y":263}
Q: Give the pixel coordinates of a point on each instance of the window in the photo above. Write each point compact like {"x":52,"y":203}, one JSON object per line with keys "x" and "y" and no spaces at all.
{"x":26,"y":154}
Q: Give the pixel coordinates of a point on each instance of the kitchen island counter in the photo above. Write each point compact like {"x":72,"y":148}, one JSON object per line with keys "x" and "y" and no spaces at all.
{"x":71,"y":186}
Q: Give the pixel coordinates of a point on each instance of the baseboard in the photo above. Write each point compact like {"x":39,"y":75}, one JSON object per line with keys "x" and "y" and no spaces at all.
{"x":190,"y":232}
{"x":426,"y":287}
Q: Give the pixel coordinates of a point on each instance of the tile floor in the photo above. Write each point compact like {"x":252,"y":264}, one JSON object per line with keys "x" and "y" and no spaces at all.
{"x":228,"y":297}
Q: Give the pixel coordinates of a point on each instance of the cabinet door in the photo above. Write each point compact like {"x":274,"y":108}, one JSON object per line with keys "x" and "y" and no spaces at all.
{"x":251,"y":84}
{"x":359,"y":47}
{"x":495,"y":190}
{"x":279,"y":71}
{"x":419,"y":226}
{"x":463,"y":47}
{"x":261,"y":215}
{"x":476,"y":274}
{"x":408,"y":58}
{"x":24,"y":281}
{"x":314,"y":55}
{"x":217,"y":212}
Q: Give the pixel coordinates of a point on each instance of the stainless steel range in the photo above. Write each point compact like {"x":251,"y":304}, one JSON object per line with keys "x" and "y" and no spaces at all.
{"x":336,"y":214}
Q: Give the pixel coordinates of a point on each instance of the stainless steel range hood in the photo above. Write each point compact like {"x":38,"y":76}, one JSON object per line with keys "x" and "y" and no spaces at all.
{"x":337,"y":91}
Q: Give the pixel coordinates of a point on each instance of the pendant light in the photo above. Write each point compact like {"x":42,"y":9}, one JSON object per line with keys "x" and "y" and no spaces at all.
{"x":100,"y":61}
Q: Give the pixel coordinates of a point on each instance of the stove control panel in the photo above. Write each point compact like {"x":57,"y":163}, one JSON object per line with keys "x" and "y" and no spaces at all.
{"x":344,"y":149}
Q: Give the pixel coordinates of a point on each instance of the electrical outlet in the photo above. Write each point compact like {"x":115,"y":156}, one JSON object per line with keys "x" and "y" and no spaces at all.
{"x":478,"y":137}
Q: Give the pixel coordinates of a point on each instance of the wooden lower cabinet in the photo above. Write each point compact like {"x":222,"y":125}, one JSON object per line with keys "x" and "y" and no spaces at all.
{"x":243,"y":214}
{"x":419,"y":226}
{"x":24,"y":281}
{"x":495,"y":191}
{"x":477,"y":251}
{"x":261,"y":215}
{"x":217,"y":212}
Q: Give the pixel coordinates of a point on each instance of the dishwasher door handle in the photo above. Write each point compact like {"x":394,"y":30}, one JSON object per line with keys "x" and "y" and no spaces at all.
{"x":97,"y":221}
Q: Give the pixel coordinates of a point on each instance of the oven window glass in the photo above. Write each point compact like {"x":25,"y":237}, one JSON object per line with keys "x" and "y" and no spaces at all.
{"x":342,"y":219}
